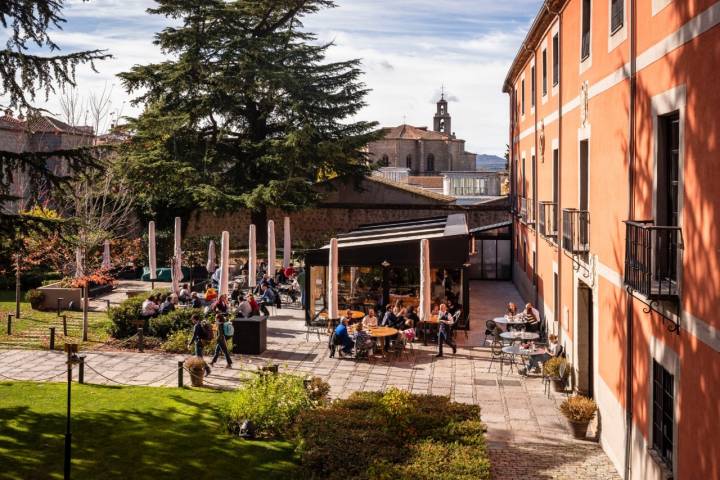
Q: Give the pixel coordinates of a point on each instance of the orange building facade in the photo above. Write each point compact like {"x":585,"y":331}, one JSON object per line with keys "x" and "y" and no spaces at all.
{"x":615,"y":134}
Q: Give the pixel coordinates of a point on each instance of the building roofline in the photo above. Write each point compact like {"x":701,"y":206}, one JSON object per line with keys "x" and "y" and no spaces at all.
{"x":542,"y":21}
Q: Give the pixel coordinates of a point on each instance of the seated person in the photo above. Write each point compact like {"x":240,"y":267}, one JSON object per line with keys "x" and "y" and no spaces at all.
{"x":149,"y":308}
{"x":290,"y":271}
{"x":412,"y":316}
{"x":348,"y":316}
{"x":220,"y":305}
{"x":342,"y":338}
{"x":244,"y":309}
{"x":267,"y":298}
{"x":195,"y":301}
{"x":389,"y":318}
{"x":255,"y":307}
{"x":400,"y":319}
{"x":166,"y":306}
{"x":553,"y":348}
{"x":511,"y":310}
{"x":236,"y":293}
{"x":363,"y":341}
{"x":210,"y":295}
{"x":184,"y":295}
{"x":370,"y":319}
{"x":533,"y":316}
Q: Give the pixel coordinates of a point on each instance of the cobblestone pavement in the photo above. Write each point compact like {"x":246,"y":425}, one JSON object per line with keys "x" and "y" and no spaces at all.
{"x":527,"y":436}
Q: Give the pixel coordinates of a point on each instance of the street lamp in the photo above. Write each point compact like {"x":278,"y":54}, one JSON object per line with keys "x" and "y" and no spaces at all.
{"x":71,"y":349}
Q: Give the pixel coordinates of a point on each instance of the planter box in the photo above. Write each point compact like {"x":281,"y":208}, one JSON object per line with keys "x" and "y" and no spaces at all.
{"x":54,"y":291}
{"x":250,"y":335}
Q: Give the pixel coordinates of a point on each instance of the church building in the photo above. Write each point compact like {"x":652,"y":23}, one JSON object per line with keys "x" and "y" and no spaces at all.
{"x":421,"y":151}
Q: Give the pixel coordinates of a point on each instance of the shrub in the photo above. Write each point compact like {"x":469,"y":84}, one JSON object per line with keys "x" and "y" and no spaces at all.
{"x":441,"y":440}
{"x":552,"y":367}
{"x":35,"y":297}
{"x":318,"y":389}
{"x":578,"y":408}
{"x":176,"y":342}
{"x":178,"y":319}
{"x":271,"y":402}
{"x":124,"y":315}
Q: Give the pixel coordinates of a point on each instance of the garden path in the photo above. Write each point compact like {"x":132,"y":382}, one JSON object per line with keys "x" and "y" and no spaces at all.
{"x":527,"y":436}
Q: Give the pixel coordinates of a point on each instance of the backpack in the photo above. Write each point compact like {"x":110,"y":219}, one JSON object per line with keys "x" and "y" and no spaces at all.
{"x":228,"y":329}
{"x":207,"y":333}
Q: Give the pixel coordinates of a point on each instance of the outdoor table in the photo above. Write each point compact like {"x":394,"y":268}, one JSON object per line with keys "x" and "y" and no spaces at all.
{"x":520,"y":335}
{"x":433,"y":320}
{"x":382,"y":333}
{"x":515,"y":321}
{"x":523,"y":352}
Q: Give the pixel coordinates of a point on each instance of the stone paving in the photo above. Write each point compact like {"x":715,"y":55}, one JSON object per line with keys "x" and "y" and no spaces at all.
{"x":527,"y":436}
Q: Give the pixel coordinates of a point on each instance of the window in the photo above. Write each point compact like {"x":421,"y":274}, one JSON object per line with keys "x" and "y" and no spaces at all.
{"x":522,"y":93}
{"x":617,"y":13}
{"x":408,"y":161}
{"x":524,"y":192}
{"x":555,"y":188}
{"x":384,"y":161}
{"x":667,"y":206}
{"x":532,"y":179}
{"x":544,"y":72}
{"x":663,"y":403}
{"x":585,"y":49}
{"x":430,"y":163}
{"x":533,"y":86}
{"x":556,"y":59}
{"x":584,"y":175}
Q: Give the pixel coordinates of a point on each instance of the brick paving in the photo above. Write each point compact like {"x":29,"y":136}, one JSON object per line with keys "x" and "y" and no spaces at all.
{"x":527,"y":436}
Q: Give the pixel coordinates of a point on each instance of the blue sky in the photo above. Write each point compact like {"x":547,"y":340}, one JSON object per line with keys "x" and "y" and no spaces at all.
{"x":408,"y":49}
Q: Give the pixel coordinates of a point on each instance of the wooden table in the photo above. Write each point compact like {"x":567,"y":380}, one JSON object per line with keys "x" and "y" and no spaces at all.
{"x":381,"y":333}
{"x":433,"y":320}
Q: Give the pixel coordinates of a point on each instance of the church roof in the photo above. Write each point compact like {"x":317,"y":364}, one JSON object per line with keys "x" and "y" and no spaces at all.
{"x":408,"y":132}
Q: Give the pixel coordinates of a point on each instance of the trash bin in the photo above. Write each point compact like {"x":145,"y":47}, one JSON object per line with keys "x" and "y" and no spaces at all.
{"x":250,"y":336}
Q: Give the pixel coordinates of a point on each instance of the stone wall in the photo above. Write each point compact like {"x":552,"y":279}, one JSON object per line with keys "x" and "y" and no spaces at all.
{"x":313,"y":227}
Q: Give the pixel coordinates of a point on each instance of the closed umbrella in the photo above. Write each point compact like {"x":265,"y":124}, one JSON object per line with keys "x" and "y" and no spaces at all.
{"x":332,"y":292}
{"x":211,"y":258}
{"x":287,"y":249}
{"x":175,"y":288}
{"x":425,"y":280}
{"x":177,"y":254}
{"x":271,"y":248}
{"x":152,"y":259}
{"x":106,"y":264}
{"x":224,"y":264}
{"x":252,"y":261}
{"x":79,"y":270}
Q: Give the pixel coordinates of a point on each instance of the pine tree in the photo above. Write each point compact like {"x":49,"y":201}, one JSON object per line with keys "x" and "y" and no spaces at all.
{"x":23,"y":78}
{"x":246,"y":111}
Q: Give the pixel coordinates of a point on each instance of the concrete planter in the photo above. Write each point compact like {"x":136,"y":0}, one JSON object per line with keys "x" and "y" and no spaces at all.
{"x":54,"y":291}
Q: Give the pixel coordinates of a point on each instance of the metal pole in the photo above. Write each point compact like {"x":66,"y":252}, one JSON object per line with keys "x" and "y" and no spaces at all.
{"x":64,"y":324}
{"x":18,"y":294}
{"x":52,"y":338}
{"x":81,"y":369}
{"x":68,"y":433}
{"x":9,"y":323}
{"x":180,"y":374}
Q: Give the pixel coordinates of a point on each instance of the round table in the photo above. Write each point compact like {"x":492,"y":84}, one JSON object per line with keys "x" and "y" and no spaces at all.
{"x":382,"y":332}
{"x":520,"y":335}
{"x":517,"y":350}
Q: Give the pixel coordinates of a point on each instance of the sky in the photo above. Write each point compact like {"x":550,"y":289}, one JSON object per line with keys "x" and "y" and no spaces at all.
{"x":409,"y":50}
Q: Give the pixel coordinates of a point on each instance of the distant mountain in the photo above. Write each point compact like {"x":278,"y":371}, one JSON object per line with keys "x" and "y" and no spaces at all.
{"x":490,"y":162}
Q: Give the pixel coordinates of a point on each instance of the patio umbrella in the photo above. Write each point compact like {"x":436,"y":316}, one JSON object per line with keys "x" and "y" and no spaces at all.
{"x":271,"y":249}
{"x":332,"y":286}
{"x":177,"y":254}
{"x":79,"y":270}
{"x":152,"y":259}
{"x":175,"y":288}
{"x":252,"y":260}
{"x":425,"y":280}
{"x":224,"y":264}
{"x":106,"y":255}
{"x":287,"y":249}
{"x":211,"y":258}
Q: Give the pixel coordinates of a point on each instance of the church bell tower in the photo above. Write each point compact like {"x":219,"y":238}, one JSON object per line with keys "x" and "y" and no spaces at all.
{"x":442,"y":117}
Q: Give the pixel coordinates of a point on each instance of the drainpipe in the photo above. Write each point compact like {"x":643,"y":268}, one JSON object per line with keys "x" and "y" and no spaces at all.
{"x":631,"y":215}
{"x":536,"y":300}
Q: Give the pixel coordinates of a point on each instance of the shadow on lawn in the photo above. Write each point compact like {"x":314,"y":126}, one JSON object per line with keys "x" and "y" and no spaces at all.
{"x":135,"y":444}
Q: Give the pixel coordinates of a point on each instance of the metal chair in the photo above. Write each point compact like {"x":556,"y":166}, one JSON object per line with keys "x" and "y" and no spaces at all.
{"x":460,"y":322}
{"x":490,"y":329}
{"x":315,"y":324}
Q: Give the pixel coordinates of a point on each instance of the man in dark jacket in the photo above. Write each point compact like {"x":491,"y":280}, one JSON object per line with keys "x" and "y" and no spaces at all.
{"x":198,"y":335}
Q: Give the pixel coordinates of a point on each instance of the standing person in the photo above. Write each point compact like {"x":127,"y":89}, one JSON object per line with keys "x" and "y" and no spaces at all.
{"x":301,"y":281}
{"x":198,"y":338}
{"x":444,"y":330}
{"x":221,"y":345}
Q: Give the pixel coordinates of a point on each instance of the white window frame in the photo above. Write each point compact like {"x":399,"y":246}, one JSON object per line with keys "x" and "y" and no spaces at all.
{"x":587,"y":63}
{"x":659,"y":5}
{"x":548,"y":77}
{"x":533,"y":99}
{"x":670,"y":361}
{"x":522,"y":95}
{"x":620,"y":35}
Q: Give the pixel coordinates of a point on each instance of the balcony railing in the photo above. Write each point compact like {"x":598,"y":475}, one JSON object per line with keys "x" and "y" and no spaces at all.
{"x":547,"y":222}
{"x":652,"y":256}
{"x":523,"y":208}
{"x":575,"y":232}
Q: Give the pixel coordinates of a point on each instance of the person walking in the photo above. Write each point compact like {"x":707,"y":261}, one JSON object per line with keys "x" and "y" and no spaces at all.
{"x":445,"y":330}
{"x":198,"y":337}
{"x":220,"y":338}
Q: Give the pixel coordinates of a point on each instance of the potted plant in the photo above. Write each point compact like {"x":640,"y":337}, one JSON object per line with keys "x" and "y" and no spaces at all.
{"x":196,"y":366}
{"x":36,"y":298}
{"x":579,"y":410}
{"x":557,"y":369}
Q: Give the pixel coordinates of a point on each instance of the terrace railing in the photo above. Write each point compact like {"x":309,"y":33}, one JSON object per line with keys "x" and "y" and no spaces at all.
{"x":576,"y":232}
{"x":652,"y":257}
{"x":548,"y":221}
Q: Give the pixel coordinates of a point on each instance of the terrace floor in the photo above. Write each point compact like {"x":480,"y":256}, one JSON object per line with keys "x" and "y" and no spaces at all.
{"x":527,"y":435}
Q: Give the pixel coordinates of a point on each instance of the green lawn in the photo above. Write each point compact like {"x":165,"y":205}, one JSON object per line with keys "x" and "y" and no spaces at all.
{"x":129,"y":433}
{"x":33,"y":322}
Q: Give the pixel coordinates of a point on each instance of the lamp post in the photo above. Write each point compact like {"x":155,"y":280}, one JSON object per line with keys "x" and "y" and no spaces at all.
{"x":71,"y":349}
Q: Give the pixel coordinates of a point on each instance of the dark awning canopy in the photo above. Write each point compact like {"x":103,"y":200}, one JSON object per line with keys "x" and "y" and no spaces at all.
{"x":398,"y":243}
